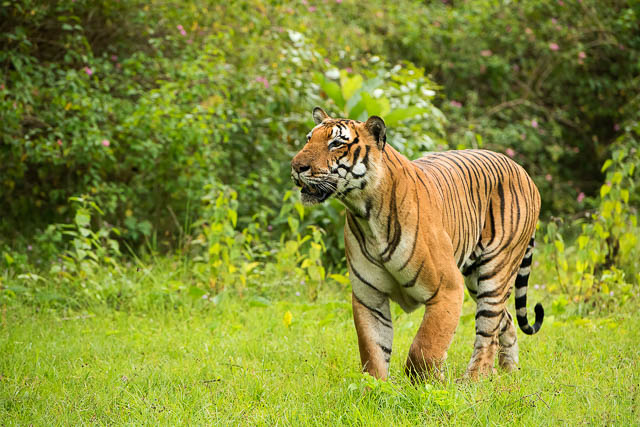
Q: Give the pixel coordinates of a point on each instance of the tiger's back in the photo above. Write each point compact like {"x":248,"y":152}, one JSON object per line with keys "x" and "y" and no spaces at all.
{"x":487,"y":199}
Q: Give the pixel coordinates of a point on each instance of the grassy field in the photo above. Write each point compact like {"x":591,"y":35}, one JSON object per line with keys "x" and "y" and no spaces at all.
{"x":240,"y":362}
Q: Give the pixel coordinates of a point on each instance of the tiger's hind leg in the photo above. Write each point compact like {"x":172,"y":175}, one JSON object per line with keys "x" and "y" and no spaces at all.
{"x":491,"y":317}
{"x":508,"y":340}
{"x":442,"y":313}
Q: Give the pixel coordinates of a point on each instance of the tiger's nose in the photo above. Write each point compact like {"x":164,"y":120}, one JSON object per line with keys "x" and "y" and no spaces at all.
{"x":298,"y":166}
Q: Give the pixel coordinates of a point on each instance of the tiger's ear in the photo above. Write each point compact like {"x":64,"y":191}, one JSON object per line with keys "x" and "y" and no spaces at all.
{"x":376,"y":127}
{"x":319,"y":115}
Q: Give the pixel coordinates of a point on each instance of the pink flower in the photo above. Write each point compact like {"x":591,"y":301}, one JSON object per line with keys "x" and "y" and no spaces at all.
{"x":515,"y":67}
{"x":616,"y":127}
{"x":510,"y":152}
{"x":560,"y":2}
{"x":349,"y":69}
{"x":263,"y":80}
{"x":486,"y":52}
{"x":582,"y":55}
{"x":105,"y":142}
{"x":580,"y":197}
{"x":455,"y":103}
{"x":59,"y":142}
{"x":2,"y":86}
{"x":114,"y":58}
{"x":338,"y":1}
{"x":312,"y":9}
{"x":182,"y":30}
{"x":548,"y":177}
{"x":554,"y":46}
{"x":88,"y":70}
{"x":554,"y":21}
{"x":534,"y":123}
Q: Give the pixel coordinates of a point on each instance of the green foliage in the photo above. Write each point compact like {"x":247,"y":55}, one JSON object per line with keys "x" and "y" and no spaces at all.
{"x":600,"y":267}
{"x":179,"y":120}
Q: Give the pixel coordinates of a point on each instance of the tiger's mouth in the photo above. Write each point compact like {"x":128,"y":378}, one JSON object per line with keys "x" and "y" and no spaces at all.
{"x":313,"y":194}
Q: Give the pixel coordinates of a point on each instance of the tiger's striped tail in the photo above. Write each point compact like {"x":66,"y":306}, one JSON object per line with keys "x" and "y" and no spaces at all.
{"x":522,"y":280}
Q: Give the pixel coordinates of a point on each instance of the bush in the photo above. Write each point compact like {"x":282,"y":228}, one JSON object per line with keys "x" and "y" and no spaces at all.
{"x":550,"y":83}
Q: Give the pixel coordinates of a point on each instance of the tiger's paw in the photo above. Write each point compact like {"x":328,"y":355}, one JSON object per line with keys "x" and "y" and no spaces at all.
{"x":480,"y":371}
{"x":508,"y":364}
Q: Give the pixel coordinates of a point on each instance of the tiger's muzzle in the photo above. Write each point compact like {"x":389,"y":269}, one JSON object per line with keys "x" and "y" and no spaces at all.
{"x":313,"y":189}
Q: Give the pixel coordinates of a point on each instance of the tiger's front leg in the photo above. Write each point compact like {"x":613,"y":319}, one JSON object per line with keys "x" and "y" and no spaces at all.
{"x":375,"y":335}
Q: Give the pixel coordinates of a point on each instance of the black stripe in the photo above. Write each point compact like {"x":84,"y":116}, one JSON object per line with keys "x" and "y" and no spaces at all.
{"x":430,"y":299}
{"x":490,"y":294}
{"x":384,"y":348}
{"x":355,"y":272}
{"x":412,"y":282}
{"x":353,"y":226}
{"x":377,"y":313}
{"x":487,"y":313}
{"x":521,"y":301}
{"x":527,"y":261}
{"x":521,"y":281}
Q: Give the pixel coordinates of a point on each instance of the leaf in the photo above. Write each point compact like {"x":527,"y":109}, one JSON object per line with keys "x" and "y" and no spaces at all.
{"x":604,"y":190}
{"x":246,"y":268}
{"x":196,"y":292}
{"x":82,"y":218}
{"x":376,"y":107}
{"x":8,"y":258}
{"x":316,"y":272}
{"x":624,"y":194}
{"x":401,"y":114}
{"x":606,"y":165}
{"x":300,"y":208}
{"x":332,"y":89}
{"x":258,"y":301}
{"x":287,"y":318}
{"x":559,"y":245}
{"x":582,"y":241}
{"x":233,"y":216}
{"x":350,"y":85}
{"x":343,"y":280}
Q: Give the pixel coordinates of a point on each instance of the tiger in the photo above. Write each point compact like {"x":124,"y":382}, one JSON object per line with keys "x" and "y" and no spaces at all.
{"x":417,"y":232}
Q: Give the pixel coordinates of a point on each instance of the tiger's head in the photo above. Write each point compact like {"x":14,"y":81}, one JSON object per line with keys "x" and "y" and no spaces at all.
{"x":340,"y":157}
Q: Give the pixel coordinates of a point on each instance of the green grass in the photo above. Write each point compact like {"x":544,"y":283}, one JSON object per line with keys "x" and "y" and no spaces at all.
{"x":237,"y":362}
